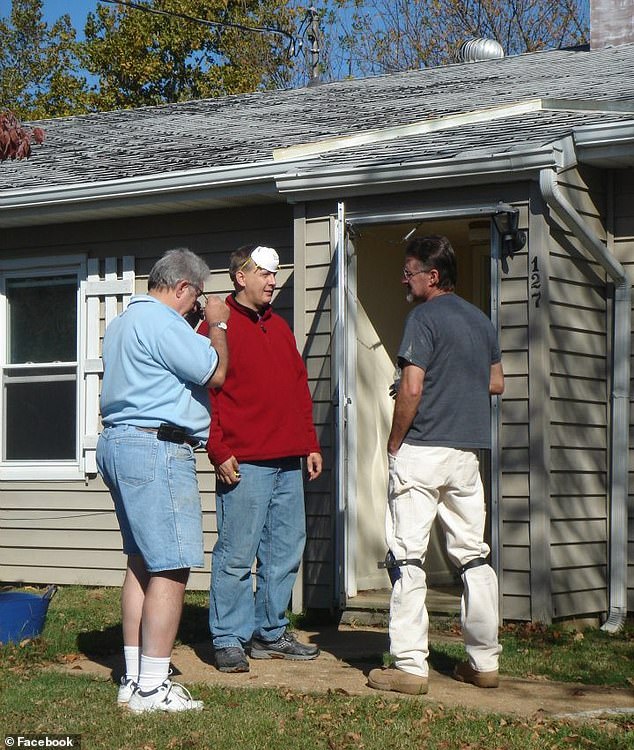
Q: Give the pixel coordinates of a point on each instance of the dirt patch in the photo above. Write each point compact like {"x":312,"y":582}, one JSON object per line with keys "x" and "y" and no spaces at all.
{"x":348,"y":654}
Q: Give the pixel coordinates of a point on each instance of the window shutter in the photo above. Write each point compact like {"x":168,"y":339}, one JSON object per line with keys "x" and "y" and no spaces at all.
{"x":114,"y":288}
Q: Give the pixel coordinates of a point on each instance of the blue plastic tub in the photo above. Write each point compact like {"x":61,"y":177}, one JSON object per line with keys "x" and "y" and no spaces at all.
{"x":22,"y":615}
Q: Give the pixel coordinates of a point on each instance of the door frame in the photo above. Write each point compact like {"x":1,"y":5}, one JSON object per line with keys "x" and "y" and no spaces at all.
{"x":344,"y":335}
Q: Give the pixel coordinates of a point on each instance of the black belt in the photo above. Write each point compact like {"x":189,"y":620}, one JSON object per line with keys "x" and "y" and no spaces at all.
{"x":172,"y":434}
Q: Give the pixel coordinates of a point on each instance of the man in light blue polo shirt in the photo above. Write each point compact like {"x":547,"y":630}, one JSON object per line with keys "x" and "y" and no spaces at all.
{"x":155,"y":411}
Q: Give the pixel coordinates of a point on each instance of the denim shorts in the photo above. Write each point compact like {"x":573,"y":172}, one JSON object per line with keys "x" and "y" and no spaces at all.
{"x":155,"y":492}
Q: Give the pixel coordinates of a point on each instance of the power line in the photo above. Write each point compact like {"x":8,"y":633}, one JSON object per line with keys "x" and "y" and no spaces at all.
{"x":295,"y":44}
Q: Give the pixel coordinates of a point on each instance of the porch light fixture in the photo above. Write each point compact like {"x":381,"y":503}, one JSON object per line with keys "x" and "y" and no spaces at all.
{"x":506,"y":219}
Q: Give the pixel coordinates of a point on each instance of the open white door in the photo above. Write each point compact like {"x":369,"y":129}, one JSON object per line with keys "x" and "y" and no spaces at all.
{"x":344,"y":369}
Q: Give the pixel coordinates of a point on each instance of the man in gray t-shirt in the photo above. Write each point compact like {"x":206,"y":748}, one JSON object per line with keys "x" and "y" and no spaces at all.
{"x":450,"y":362}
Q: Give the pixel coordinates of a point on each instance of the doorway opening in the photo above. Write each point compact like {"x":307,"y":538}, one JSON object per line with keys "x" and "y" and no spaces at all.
{"x":376,"y":324}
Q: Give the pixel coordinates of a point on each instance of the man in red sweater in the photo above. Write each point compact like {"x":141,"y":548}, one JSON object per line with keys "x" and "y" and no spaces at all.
{"x":262,"y":426}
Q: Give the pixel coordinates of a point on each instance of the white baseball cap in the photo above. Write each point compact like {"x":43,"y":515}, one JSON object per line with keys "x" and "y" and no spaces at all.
{"x":266,"y":257}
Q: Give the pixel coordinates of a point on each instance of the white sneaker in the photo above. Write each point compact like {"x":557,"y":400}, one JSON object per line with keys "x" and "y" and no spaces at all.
{"x":126,"y":688}
{"x":169,"y":696}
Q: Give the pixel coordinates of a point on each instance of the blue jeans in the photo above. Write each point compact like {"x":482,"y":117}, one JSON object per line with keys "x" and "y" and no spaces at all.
{"x":262,"y":518}
{"x":155,"y":492}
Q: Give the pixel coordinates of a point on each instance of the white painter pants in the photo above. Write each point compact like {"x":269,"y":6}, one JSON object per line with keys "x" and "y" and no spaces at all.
{"x":425,"y":481}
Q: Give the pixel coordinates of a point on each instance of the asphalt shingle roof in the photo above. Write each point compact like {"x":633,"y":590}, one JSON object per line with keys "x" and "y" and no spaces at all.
{"x":239,"y":130}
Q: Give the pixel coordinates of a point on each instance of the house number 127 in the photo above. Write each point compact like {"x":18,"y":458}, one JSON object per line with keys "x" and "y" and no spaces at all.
{"x":536,"y":282}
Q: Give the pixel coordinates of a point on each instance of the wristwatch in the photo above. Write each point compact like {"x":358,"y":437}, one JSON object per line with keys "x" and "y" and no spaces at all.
{"x":220,"y":324}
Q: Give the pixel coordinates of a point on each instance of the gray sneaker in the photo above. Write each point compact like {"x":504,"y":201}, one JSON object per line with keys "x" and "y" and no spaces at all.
{"x":231,"y":659}
{"x":285,"y":647}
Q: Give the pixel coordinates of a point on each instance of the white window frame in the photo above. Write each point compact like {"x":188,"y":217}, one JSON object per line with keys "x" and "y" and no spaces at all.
{"x":92,"y":288}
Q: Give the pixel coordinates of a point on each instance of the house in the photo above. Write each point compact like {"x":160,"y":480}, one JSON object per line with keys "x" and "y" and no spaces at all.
{"x":335,"y":176}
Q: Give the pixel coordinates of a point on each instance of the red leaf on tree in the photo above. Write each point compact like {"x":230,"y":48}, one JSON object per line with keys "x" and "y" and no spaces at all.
{"x":15,"y":138}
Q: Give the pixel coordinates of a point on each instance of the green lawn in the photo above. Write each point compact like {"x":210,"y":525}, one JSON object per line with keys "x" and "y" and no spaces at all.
{"x":34,"y":698}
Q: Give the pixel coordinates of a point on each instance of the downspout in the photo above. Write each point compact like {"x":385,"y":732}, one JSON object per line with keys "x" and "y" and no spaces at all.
{"x":621,"y":352}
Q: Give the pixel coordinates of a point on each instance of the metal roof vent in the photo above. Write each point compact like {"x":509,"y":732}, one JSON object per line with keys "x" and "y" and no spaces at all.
{"x":474,"y":50}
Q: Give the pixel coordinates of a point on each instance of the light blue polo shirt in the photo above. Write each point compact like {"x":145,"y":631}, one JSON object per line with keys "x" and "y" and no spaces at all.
{"x":155,"y":368}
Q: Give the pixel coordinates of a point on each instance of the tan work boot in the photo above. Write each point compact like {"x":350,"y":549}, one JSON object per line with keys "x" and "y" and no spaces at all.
{"x":391,"y":678}
{"x":464,"y":672}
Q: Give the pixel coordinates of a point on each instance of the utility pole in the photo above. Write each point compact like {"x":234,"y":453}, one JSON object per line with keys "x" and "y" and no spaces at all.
{"x":313,"y":37}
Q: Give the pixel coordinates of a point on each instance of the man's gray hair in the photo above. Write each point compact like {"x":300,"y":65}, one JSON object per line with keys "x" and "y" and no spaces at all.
{"x":177,"y":265}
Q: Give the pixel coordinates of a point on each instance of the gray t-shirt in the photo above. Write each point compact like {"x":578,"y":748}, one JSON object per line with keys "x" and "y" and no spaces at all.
{"x":456,"y":344}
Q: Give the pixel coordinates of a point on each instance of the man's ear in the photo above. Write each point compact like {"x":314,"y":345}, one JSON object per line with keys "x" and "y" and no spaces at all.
{"x":180,"y":287}
{"x":240,"y":279}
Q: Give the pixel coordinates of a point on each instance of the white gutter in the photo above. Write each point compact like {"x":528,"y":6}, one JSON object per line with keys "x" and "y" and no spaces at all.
{"x":620,"y":403}
{"x":20,"y":206}
{"x":313,"y":182}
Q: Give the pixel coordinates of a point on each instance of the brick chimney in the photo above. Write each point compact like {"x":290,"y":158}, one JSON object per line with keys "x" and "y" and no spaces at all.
{"x":611,"y":23}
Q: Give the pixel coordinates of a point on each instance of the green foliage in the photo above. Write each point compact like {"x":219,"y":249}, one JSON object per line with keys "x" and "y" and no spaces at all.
{"x":39,"y":67}
{"x":145,"y":59}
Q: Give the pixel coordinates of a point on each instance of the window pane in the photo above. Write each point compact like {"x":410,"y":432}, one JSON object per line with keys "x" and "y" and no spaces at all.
{"x":41,"y":419}
{"x":42,"y":320}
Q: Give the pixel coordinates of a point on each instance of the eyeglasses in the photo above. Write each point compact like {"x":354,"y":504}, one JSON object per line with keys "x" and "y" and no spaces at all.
{"x":199,"y":292}
{"x":407,"y":274}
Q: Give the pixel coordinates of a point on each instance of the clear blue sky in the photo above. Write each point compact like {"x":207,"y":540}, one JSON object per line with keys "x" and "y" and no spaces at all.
{"x":76,"y":9}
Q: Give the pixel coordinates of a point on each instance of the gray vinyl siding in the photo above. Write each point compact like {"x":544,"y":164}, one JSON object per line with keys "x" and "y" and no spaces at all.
{"x":621,"y":239}
{"x":66,"y":532}
{"x":319,"y":557}
{"x":514,"y":440}
{"x":578,"y":409}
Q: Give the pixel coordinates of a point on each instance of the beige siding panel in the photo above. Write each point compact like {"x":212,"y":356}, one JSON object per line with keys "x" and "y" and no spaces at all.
{"x":578,"y":436}
{"x":577,"y":603}
{"x":514,"y":460}
{"x":568,"y":316}
{"x":571,"y":412}
{"x":512,"y":290}
{"x":514,"y":363}
{"x":581,"y":295}
{"x":515,"y":386}
{"x":516,"y":608}
{"x":581,"y":389}
{"x":576,"y":484}
{"x":575,"y":365}
{"x":513,"y":338}
{"x":515,"y":313}
{"x":515,"y":486}
{"x":578,"y":532}
{"x":576,"y":459}
{"x":514,"y":411}
{"x":318,"y":322}
{"x":516,"y":558}
{"x":515,"y":534}
{"x":568,"y":507}
{"x":579,"y":579}
{"x":514,"y":436}
{"x":515,"y":508}
{"x":64,"y":576}
{"x":516,"y":583}
{"x":569,"y":556}
{"x":578,"y":342}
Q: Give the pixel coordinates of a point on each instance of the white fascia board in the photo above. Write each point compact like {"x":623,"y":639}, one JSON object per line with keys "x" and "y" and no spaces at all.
{"x":613,"y":143}
{"x":436,"y":124}
{"x":511,"y":165}
{"x":135,"y":187}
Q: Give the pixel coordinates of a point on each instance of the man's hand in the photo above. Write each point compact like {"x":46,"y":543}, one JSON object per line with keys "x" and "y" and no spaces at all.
{"x":216,"y":310}
{"x":314,"y":465}
{"x":228,"y":472}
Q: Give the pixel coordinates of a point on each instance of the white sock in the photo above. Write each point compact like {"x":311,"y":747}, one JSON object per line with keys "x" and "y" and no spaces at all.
{"x":132,"y":654}
{"x":154,"y":671}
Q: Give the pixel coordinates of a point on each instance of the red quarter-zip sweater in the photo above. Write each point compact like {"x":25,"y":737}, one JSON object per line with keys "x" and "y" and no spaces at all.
{"x":263,"y":410}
